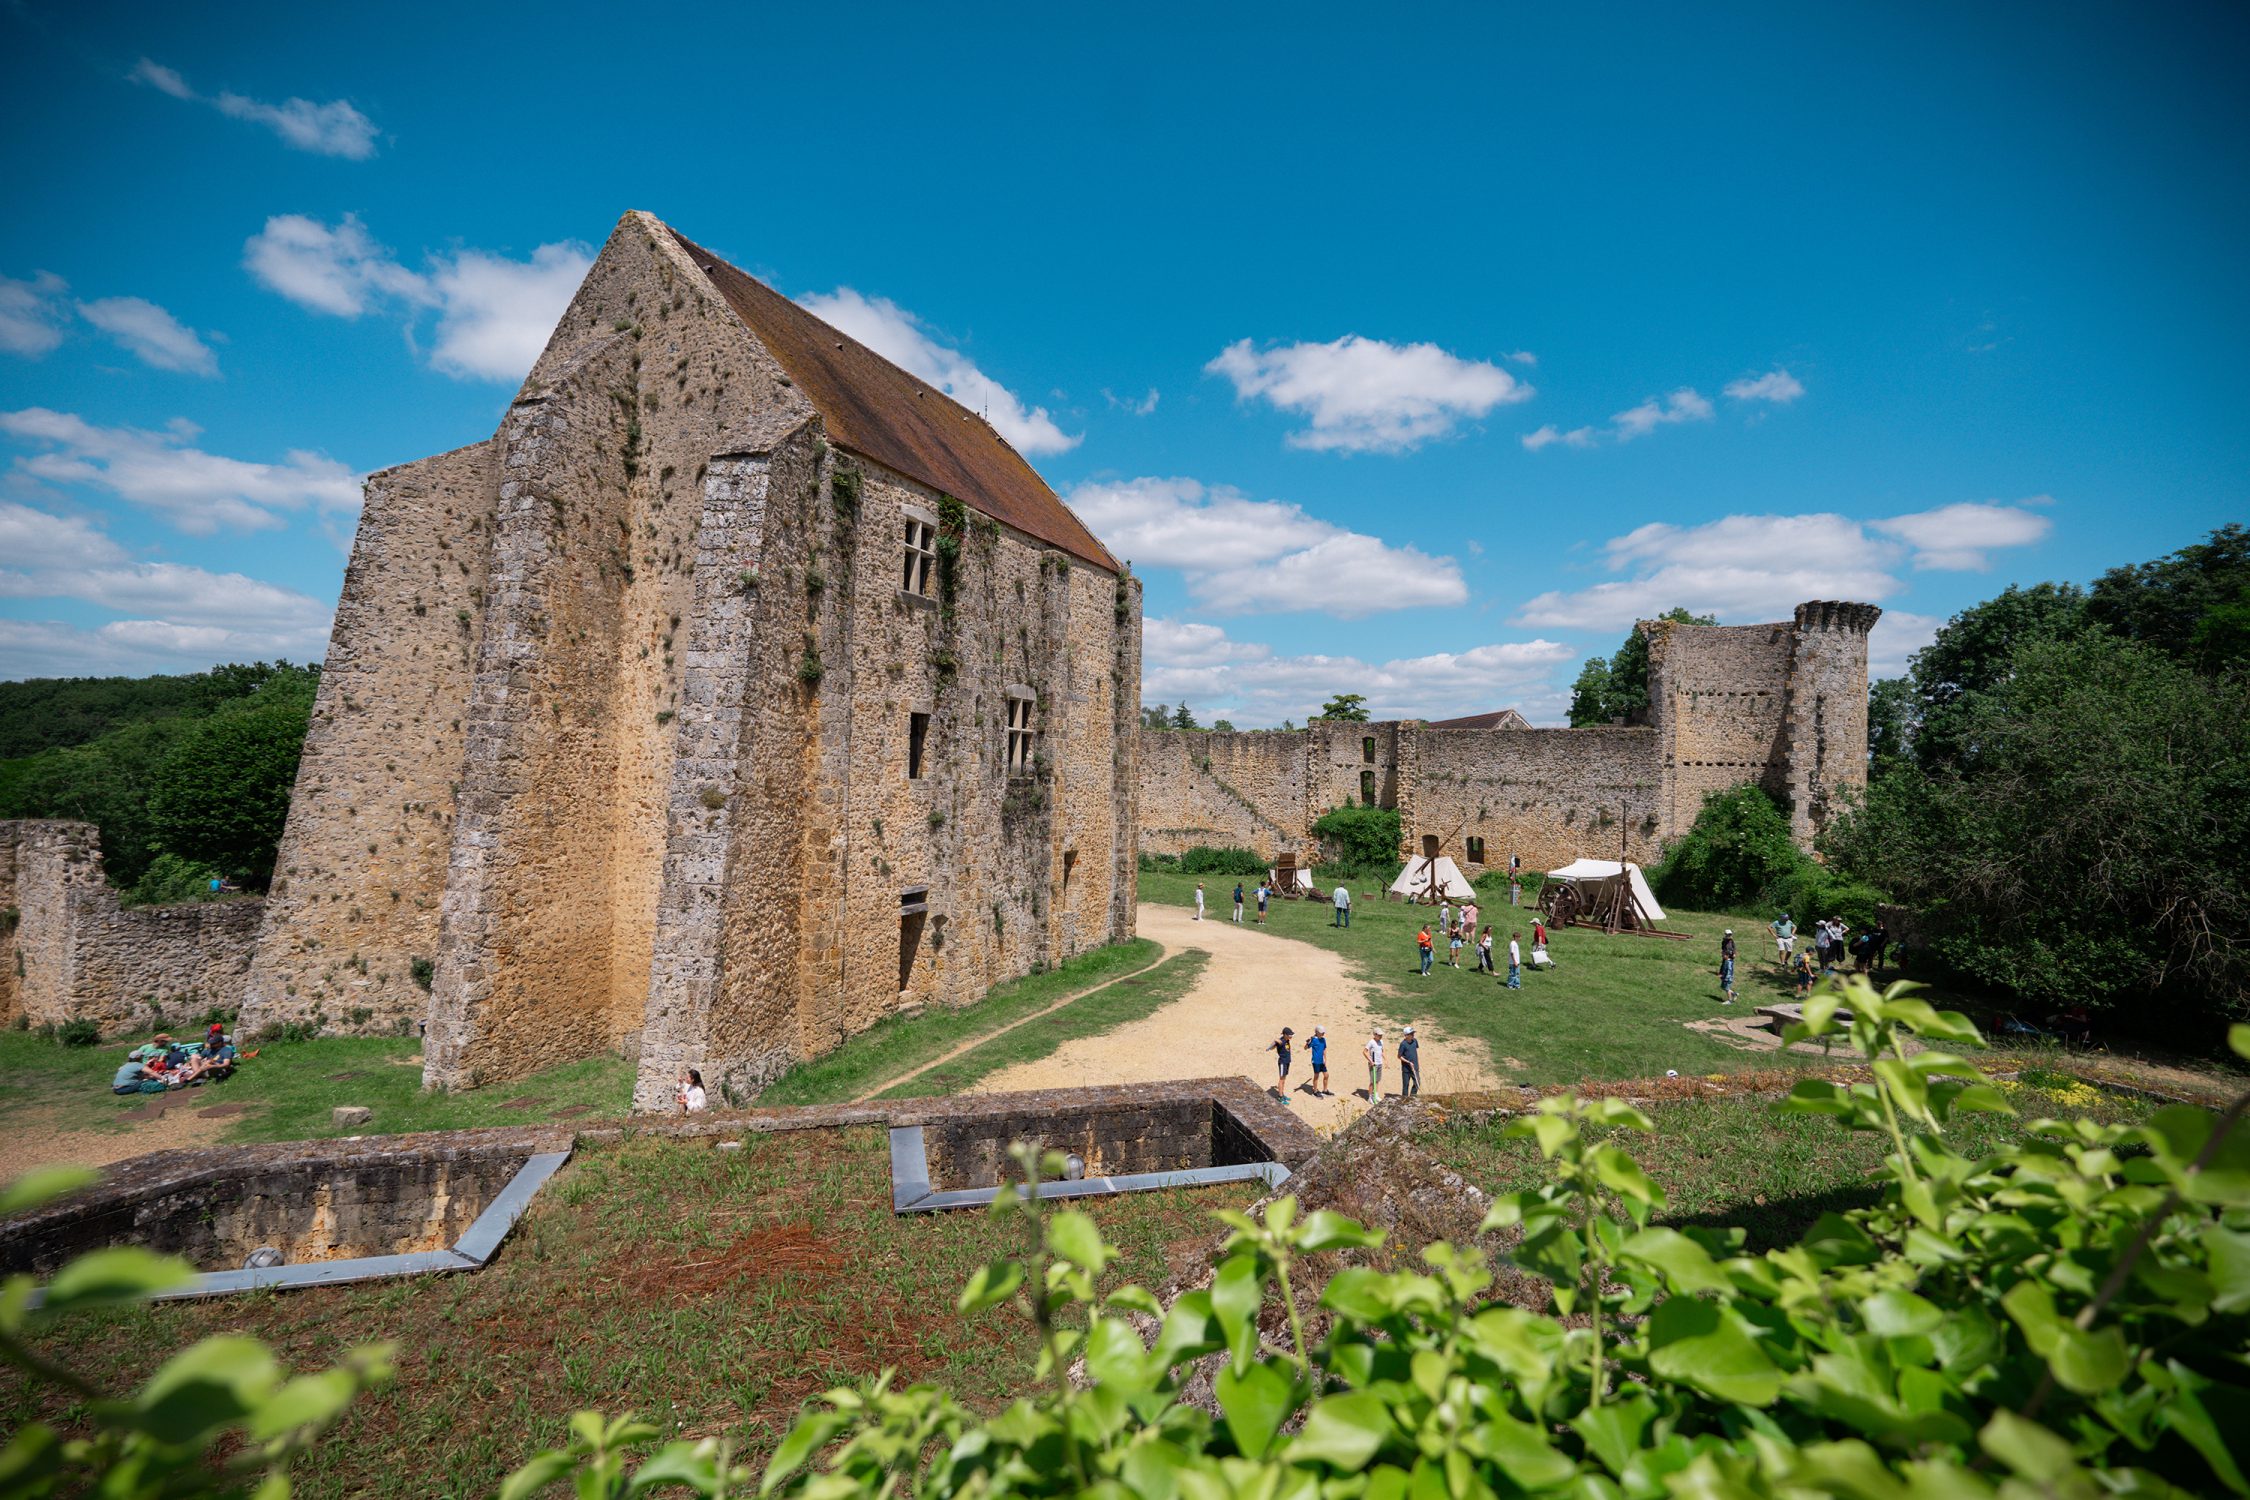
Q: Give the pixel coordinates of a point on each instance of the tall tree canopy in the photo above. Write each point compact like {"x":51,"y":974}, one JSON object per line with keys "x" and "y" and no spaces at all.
{"x":1618,"y":688}
{"x":1351,"y":708}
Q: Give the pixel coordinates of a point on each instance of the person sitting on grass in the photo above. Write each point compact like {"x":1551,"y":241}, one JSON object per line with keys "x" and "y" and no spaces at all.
{"x":134,"y":1078}
{"x":217,"y":1053}
{"x":693,"y":1101}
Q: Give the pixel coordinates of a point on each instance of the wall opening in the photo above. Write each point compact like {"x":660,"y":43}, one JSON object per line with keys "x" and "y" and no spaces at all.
{"x":1022,"y":732}
{"x":913,"y":913}
{"x":1429,"y":846}
{"x":917,"y":735}
{"x":1070,"y":867}
{"x":1367,"y":788}
{"x":1476,"y":851}
{"x":1367,"y":749}
{"x":920,"y":555}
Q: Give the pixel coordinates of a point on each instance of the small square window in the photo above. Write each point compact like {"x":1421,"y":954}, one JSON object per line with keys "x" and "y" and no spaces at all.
{"x":1023,"y":735}
{"x":917,"y":736}
{"x":920,"y":557}
{"x":1476,"y":851}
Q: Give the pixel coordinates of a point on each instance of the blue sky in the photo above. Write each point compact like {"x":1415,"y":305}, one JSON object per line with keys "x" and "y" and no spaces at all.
{"x":1413,"y":357}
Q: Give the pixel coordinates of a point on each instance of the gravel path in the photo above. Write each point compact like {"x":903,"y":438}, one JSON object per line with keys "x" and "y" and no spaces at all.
{"x":1255,"y":984}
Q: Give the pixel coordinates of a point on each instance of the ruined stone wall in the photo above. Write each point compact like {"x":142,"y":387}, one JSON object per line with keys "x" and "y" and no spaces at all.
{"x":1827,"y":722}
{"x":11,"y":928}
{"x":1350,"y":763}
{"x":84,"y":957}
{"x":361,"y":868}
{"x":1548,"y":795}
{"x":1718,"y":697}
{"x":1241,"y":789}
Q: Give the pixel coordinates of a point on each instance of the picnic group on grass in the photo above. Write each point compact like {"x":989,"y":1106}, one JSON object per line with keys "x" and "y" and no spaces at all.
{"x":1409,"y":1054}
{"x":160,"y":1063}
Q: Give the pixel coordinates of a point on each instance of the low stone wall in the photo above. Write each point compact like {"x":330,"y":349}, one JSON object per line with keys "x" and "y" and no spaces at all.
{"x":312,"y":1200}
{"x":76,"y":954}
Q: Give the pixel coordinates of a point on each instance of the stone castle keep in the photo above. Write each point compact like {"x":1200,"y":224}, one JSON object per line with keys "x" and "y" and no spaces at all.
{"x":1782,"y":705}
{"x":739,"y":691}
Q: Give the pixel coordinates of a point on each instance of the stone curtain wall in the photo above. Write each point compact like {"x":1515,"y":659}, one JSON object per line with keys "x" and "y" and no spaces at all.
{"x":361,"y":868}
{"x":1719,"y":696}
{"x":1548,"y":795}
{"x":1222,"y":789}
{"x":76,"y":954}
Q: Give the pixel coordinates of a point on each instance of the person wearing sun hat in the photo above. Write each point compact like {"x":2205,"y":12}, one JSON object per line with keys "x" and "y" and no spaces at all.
{"x":1409,"y":1064}
{"x":1318,"y":1047}
{"x":1374,"y":1051}
{"x":1726,"y":966}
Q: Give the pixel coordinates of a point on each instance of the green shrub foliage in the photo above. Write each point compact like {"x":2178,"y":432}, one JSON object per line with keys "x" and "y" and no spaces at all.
{"x":1360,"y":838}
{"x":2066,"y":1316}
{"x":1738,"y":853}
{"x":221,"y":795}
{"x":1207,"y":859}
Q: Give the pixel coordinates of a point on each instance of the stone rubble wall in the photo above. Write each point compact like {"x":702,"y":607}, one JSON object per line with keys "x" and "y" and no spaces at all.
{"x":76,"y":954}
{"x":1719,"y":695}
{"x":1548,"y":796}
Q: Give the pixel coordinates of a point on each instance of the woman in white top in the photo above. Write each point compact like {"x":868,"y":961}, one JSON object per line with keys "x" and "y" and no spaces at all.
{"x":693,"y":1101}
{"x":1375,"y":1066}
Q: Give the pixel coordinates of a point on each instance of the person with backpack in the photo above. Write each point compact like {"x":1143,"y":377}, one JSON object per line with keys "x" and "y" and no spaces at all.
{"x":1238,"y":901}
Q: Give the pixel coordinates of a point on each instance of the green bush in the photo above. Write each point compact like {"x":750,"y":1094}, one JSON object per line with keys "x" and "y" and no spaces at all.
{"x":221,"y":793}
{"x":1813,"y":893}
{"x":1154,"y":863}
{"x":1737,"y":855}
{"x":78,"y":1032}
{"x":1206,"y":859}
{"x":1360,"y":838}
{"x":170,"y":880}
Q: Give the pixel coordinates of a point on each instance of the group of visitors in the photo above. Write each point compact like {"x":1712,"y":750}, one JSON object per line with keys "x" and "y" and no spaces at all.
{"x":160,"y":1063}
{"x":1409,"y":1052}
{"x":1833,"y":948}
{"x":1460,"y":929}
{"x":1264,"y":897}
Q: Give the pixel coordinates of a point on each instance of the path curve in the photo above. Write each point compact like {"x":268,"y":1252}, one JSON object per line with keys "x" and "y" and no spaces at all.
{"x":1256,"y":983}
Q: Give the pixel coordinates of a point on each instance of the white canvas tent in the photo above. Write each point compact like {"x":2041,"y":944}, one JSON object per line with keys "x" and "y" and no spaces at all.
{"x":1426,"y":879}
{"x":1590,"y":875}
{"x":1302,"y":876}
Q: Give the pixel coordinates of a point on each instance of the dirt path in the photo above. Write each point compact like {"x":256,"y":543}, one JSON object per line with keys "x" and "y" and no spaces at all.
{"x":37,"y":1135}
{"x":1255,"y":984}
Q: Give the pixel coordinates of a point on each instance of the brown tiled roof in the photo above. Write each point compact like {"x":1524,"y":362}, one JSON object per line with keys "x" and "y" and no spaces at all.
{"x":878,"y":410}
{"x":1499,"y":718}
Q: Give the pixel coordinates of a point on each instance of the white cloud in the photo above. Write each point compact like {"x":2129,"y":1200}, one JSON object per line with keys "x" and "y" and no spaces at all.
{"x":198,"y":492}
{"x":1895,"y":639}
{"x":1749,"y":568}
{"x":1549,"y":435}
{"x":1364,"y":395}
{"x":34,"y":538}
{"x":32,"y":314}
{"x":1956,"y":538}
{"x":1778,"y":386}
{"x":494,"y":315}
{"x":903,"y":339}
{"x":331,"y":129}
{"x":1241,"y":554}
{"x":51,"y":648}
{"x":173,"y":593}
{"x":1139,"y":408}
{"x":151,"y":335}
{"x":1248,"y":682}
{"x":1525,"y":357}
{"x":1683,"y":405}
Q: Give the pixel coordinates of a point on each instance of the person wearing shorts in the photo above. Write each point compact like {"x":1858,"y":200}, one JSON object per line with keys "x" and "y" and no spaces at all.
{"x":1454,"y":958}
{"x":1784,"y":937}
{"x":1318,"y":1047}
{"x":1726,"y":966}
{"x":1280,"y":1050}
{"x":1374,"y":1051}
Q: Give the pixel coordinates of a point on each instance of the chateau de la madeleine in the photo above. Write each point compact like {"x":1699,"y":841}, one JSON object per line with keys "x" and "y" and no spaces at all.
{"x":743,"y":689}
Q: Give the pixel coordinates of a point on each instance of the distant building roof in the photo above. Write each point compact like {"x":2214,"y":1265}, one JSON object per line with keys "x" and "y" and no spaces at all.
{"x":1499,"y":718}
{"x":876,"y":409}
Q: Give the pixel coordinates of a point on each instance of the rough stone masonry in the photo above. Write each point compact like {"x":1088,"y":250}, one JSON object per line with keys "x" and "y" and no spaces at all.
{"x":740,"y":691}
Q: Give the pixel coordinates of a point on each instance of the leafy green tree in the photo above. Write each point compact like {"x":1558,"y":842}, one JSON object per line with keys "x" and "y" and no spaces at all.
{"x":1360,"y":838}
{"x":1223,"y":726}
{"x":1973,"y":653}
{"x":1590,"y":694}
{"x":1890,"y":723}
{"x":221,"y":795}
{"x":1182,"y":718}
{"x":1738,"y":851}
{"x":2194,"y":605}
{"x":1348,"y":708}
{"x":1155,"y":716}
{"x":170,"y":880}
{"x":106,"y":782}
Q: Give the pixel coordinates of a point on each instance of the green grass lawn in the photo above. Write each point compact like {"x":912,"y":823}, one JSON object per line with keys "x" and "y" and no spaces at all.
{"x":1610,"y":1009}
{"x":900,"y":1044}
{"x":290,"y":1088}
{"x":708,"y":1291}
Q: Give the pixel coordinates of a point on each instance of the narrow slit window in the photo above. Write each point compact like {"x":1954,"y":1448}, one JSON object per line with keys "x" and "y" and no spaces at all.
{"x":921,"y":556}
{"x":1023,"y":734}
{"x":1367,"y":749}
{"x":1367,"y":789}
{"x":913,"y":914}
{"x":917,"y":736}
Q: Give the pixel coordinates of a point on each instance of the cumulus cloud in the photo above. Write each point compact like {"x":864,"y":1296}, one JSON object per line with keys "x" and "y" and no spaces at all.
{"x":31,"y":538}
{"x":151,"y":335}
{"x":331,"y":129}
{"x":1777,"y":386}
{"x":1549,"y":435}
{"x":197,"y":491}
{"x":1684,"y":405}
{"x":33,"y":314}
{"x":1749,"y":568}
{"x":1895,"y":639}
{"x":1365,"y":395}
{"x":1959,"y":538}
{"x":1242,"y":554}
{"x":903,"y":339}
{"x":1250,"y":683}
{"x":53,"y":648}
{"x":494,"y":314}
{"x":1139,"y":407}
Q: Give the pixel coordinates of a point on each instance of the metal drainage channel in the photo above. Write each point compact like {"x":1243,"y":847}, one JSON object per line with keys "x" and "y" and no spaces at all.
{"x":911,"y":1192}
{"x":476,"y":1246}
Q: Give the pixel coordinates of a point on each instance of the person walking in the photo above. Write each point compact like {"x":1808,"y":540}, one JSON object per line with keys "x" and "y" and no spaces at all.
{"x":1199,"y":901}
{"x":1445,"y":918}
{"x":1484,"y":951}
{"x":1801,"y":969}
{"x":1515,"y":961}
{"x":1784,"y":937}
{"x":1318,"y":1047}
{"x":1374,"y":1051}
{"x":1238,"y":901}
{"x":1428,"y":952}
{"x":1453,"y":943}
{"x":1343,"y":900}
{"x":1280,"y":1049}
{"x":1409,"y":1065}
{"x":1469,"y":915}
{"x":1265,"y":891}
{"x":1726,"y":966}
